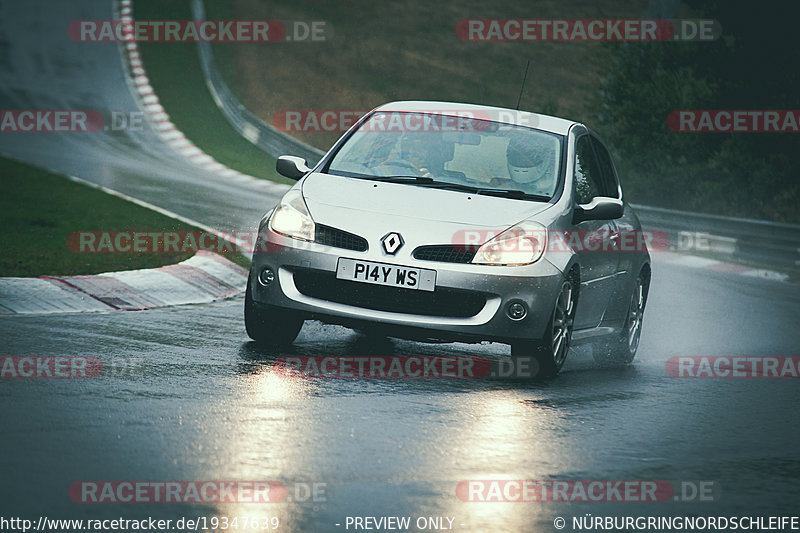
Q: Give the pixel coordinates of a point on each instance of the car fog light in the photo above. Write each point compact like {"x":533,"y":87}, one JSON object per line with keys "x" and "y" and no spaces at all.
{"x":517,"y":311}
{"x":266,"y":277}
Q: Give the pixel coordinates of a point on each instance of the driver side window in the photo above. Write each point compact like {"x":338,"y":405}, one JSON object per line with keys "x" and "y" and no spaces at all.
{"x":588,"y":180}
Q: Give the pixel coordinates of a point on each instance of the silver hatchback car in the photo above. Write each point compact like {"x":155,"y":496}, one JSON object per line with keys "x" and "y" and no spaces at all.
{"x":451,"y":222}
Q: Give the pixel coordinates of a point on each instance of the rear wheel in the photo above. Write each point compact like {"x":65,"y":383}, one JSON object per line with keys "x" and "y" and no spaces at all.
{"x":621,"y":350}
{"x":551,"y":351}
{"x":269,"y":325}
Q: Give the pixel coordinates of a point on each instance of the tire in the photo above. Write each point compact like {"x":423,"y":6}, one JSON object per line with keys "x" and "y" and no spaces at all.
{"x":620,"y":351}
{"x":269,"y":326}
{"x":551,"y":352}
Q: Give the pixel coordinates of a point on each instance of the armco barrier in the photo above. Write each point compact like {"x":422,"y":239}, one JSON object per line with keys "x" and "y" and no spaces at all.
{"x":754,"y":241}
{"x":246,"y":123}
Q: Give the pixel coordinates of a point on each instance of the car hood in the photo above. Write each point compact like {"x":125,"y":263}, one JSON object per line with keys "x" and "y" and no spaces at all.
{"x":332,"y":199}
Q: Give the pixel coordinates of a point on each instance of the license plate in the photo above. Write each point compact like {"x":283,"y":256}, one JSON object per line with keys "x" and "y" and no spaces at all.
{"x":382,"y":274}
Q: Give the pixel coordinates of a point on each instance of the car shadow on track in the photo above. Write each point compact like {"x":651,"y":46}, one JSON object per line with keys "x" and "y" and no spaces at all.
{"x":387,"y":364}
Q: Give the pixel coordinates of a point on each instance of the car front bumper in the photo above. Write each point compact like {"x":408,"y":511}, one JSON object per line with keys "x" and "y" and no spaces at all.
{"x":470,"y":302}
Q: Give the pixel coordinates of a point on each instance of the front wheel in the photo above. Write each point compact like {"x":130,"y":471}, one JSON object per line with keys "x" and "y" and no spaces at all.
{"x":269,"y":325}
{"x":551,"y":351}
{"x":620,"y":351}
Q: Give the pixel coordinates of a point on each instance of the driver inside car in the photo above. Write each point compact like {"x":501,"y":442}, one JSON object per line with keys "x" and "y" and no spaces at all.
{"x":530,"y":167}
{"x":420,"y":150}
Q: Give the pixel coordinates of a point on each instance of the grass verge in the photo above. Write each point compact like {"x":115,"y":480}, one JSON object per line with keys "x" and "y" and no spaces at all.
{"x":41,"y":209}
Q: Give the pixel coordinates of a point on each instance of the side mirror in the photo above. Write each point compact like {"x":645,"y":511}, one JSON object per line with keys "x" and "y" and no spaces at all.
{"x":292,"y":167}
{"x":600,"y":208}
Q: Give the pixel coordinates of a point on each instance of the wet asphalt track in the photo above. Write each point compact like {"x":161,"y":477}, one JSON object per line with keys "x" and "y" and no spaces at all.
{"x":186,"y":396}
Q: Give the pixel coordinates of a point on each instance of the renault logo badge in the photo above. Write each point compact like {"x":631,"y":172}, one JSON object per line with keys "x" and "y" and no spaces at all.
{"x":392,"y":242}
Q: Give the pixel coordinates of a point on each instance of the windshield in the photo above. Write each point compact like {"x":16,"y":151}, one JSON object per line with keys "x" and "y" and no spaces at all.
{"x":468,"y":152}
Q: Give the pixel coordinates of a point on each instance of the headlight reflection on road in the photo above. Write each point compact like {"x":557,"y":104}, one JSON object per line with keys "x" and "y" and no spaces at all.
{"x":258,"y":447}
{"x":502,"y":429}
{"x":497,"y":425}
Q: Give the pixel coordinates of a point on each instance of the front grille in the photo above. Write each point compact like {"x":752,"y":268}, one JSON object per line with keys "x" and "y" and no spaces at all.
{"x":446,"y":253}
{"x":339,"y":238}
{"x":440,"y":302}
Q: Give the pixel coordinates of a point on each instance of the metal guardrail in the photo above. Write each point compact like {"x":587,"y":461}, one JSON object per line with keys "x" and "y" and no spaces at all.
{"x":263,"y":135}
{"x":753,"y":241}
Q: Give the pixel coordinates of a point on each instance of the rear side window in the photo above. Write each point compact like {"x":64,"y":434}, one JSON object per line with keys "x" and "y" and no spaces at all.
{"x":610,"y":180}
{"x":588,"y":177}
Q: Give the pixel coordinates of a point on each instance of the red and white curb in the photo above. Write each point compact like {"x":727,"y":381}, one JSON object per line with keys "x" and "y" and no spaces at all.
{"x":148,"y":101}
{"x":203,"y":278}
{"x":704,"y":263}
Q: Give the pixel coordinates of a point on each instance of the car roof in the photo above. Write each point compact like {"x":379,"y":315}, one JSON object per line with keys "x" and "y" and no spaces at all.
{"x":557,"y":125}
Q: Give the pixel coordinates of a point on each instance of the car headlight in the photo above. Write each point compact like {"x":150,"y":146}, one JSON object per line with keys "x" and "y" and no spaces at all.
{"x":520,"y":245}
{"x":291,"y":218}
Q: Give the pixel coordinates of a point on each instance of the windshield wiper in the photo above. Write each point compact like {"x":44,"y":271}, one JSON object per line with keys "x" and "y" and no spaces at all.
{"x":425,"y":181}
{"x":451,"y":186}
{"x":398,"y":179}
{"x":513,"y":193}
